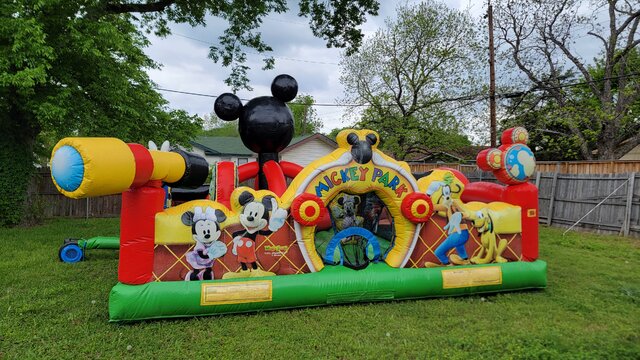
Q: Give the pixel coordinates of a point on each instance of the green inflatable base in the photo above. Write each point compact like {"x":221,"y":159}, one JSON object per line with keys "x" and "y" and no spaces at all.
{"x":332,"y":285}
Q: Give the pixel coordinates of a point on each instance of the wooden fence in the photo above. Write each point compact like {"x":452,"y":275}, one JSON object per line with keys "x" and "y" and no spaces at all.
{"x":563,"y":198}
{"x":562,"y":167}
{"x":45,"y":198}
{"x":604,"y":203}
{"x":566,"y":198}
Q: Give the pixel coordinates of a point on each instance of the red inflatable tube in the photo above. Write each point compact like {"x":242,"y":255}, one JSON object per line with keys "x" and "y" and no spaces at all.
{"x":248,"y":171}
{"x":526,"y":196}
{"x":482,"y":191}
{"x":144,"y":164}
{"x":225,"y":178}
{"x":290,"y":169}
{"x":137,"y":232}
{"x":275,"y":177}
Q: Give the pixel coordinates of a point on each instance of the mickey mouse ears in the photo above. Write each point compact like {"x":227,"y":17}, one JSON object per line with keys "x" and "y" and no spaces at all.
{"x":228,"y":106}
{"x":284,"y":88}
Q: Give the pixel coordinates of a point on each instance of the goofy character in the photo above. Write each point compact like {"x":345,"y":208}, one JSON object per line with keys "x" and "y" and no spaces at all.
{"x":457,"y":231}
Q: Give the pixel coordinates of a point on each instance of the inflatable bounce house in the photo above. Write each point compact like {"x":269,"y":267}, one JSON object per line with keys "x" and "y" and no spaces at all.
{"x":353,"y":226}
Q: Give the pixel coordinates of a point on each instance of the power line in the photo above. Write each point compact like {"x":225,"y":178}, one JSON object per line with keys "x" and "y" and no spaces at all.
{"x":261,"y":55}
{"x":471,"y":97}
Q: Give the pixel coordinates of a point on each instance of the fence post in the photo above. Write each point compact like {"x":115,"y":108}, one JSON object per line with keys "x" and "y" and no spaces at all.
{"x":538,"y":179}
{"x":553,"y":194}
{"x":626,"y":223}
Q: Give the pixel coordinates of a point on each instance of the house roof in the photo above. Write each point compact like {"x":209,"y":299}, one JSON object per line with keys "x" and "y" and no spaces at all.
{"x":229,"y":145}
{"x":221,"y":145}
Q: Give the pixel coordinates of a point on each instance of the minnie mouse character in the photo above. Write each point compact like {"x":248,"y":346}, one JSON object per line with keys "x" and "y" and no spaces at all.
{"x":254,"y":219}
{"x":205,"y":230}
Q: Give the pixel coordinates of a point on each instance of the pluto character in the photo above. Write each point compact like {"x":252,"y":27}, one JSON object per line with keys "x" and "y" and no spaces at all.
{"x":490,"y":250}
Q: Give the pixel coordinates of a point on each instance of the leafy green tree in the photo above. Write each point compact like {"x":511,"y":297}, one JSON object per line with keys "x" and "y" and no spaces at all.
{"x":214,"y":126}
{"x":76,"y":67}
{"x":406,"y":72}
{"x":598,"y":117}
{"x":333,"y":134}
{"x":550,"y":125}
{"x":305,"y":116}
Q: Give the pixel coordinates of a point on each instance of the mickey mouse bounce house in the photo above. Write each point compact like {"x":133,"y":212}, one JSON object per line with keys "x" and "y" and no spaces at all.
{"x":354,"y":225}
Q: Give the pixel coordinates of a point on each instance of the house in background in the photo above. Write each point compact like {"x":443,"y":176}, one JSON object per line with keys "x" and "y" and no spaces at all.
{"x":302,"y":150}
{"x":633,"y":154}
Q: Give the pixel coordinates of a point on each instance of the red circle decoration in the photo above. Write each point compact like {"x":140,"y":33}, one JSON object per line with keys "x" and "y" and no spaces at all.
{"x":417,"y":207}
{"x":308,"y":209}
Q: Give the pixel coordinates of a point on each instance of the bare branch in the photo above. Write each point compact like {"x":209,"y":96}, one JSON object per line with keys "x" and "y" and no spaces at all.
{"x":604,"y":42}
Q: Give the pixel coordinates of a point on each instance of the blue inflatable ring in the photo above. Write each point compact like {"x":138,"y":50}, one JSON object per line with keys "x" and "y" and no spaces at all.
{"x":352,"y":231}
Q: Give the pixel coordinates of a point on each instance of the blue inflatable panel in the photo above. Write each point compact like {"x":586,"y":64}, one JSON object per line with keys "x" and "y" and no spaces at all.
{"x":67,"y":168}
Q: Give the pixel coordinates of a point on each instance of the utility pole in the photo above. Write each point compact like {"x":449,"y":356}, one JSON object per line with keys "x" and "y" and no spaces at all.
{"x":492,"y":79}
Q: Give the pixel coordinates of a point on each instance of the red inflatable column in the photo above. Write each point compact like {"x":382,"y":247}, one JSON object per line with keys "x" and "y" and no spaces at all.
{"x":137,"y":232}
{"x":526,"y":196}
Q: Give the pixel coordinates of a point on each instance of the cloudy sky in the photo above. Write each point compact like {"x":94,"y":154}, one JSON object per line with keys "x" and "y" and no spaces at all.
{"x":297,"y":52}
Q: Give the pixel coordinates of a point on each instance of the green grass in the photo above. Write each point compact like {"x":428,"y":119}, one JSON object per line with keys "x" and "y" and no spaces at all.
{"x":591,"y":309}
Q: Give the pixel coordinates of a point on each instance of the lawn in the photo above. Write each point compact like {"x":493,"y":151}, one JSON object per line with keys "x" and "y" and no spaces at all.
{"x":591,"y":309}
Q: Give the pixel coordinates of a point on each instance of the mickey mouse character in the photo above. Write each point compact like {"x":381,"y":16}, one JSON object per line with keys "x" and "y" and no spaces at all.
{"x":265,"y":123}
{"x":205,"y":230}
{"x":254,"y":219}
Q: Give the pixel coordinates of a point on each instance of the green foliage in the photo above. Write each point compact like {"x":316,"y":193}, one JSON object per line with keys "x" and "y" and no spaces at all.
{"x":214,"y":126}
{"x":64,"y":71}
{"x":334,"y":132}
{"x":551,"y":126}
{"x":588,"y":311}
{"x":405,"y":73}
{"x":305,"y":116}
{"x":15,"y":171}
{"x":77,"y":68}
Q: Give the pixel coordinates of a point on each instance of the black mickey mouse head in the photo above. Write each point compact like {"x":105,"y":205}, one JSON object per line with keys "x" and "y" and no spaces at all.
{"x":361,"y":149}
{"x":266,"y":123}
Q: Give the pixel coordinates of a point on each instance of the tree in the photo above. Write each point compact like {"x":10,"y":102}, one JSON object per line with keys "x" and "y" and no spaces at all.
{"x":76,"y":67}
{"x":539,"y":38}
{"x":214,"y":126}
{"x":550,"y":134}
{"x":406,"y":73}
{"x":305,"y":116}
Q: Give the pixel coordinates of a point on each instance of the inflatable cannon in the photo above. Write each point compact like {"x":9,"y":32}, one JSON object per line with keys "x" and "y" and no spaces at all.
{"x":87,"y":167}
{"x":90,"y":167}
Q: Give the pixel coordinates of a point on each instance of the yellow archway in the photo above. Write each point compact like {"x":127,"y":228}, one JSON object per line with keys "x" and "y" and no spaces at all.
{"x":339,"y":172}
